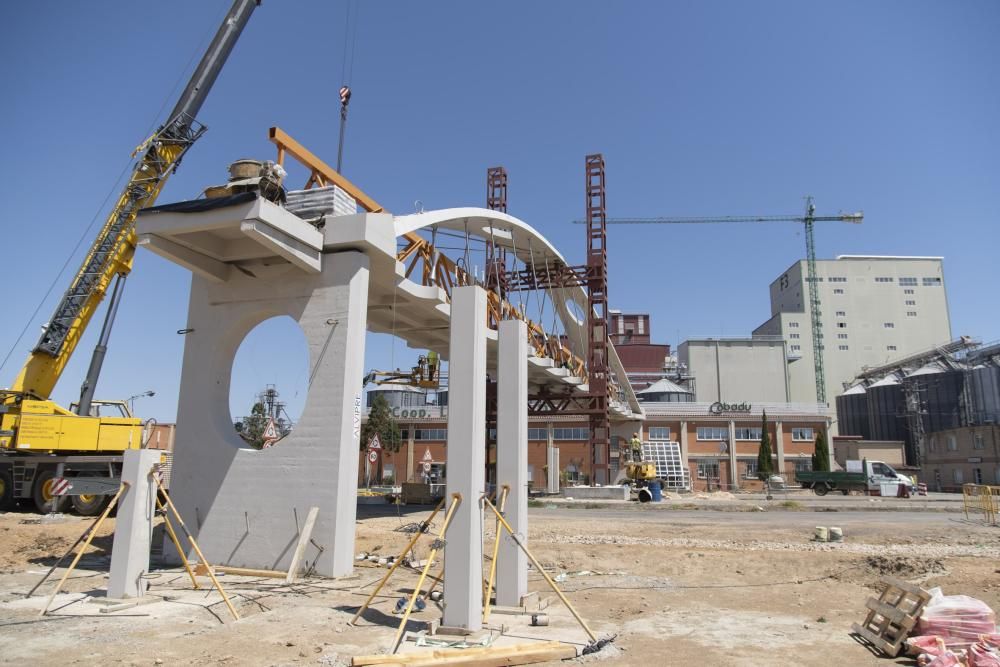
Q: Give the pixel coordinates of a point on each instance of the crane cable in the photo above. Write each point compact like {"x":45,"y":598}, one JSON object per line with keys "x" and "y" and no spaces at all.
{"x":199,"y":48}
{"x":347,"y":74}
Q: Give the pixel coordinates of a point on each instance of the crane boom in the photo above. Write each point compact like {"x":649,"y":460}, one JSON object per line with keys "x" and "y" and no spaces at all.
{"x":112,"y":252}
{"x":807,"y":220}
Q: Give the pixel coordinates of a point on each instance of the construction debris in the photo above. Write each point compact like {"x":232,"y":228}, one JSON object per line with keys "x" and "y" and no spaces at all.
{"x":892,"y":615}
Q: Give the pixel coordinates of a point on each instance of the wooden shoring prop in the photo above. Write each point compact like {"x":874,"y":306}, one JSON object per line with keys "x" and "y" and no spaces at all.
{"x":488,"y":593}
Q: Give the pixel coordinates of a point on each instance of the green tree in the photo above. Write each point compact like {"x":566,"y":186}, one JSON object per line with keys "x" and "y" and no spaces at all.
{"x":764,"y":452}
{"x":821,"y":457}
{"x":251,"y":428}
{"x":381,"y":421}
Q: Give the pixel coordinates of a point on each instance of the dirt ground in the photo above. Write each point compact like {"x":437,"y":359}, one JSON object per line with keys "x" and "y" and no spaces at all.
{"x":676,"y":587}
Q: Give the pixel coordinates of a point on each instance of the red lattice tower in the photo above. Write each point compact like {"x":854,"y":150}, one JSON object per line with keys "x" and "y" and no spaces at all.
{"x":598,"y":372}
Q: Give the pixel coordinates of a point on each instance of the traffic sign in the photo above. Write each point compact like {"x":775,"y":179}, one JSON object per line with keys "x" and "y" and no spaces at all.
{"x":271,"y":431}
{"x":373,"y":456}
{"x":427,"y":455}
{"x":374,"y":444}
{"x":427,"y":466}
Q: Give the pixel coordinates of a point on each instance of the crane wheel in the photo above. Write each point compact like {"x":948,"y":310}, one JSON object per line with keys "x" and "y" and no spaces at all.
{"x":90,"y":505}
{"x":6,"y":490}
{"x":45,"y":501}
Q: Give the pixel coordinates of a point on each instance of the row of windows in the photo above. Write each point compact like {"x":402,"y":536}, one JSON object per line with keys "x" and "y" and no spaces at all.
{"x":842,"y":347}
{"x":803,"y":434}
{"x":713,"y":433}
{"x":583,"y":434}
{"x":659,"y":433}
{"x":838,"y":290}
{"x":908,"y":281}
{"x":559,"y":434}
{"x":709,"y":468}
{"x":793,"y":325}
{"x":837,"y":279}
{"x":883,"y":280}
{"x":952,"y":444}
{"x":752,"y":433}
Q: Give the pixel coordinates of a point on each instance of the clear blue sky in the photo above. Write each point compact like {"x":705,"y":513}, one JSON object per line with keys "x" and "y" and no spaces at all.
{"x":714,"y":108}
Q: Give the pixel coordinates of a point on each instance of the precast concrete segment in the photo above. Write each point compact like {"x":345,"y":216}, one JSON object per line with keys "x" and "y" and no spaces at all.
{"x":512,"y":458}
{"x":463,"y":555}
{"x":133,"y":525}
{"x":246,"y":507}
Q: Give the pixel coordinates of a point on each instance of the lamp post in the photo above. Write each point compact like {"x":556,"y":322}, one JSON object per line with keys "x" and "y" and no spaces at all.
{"x":131,"y":399}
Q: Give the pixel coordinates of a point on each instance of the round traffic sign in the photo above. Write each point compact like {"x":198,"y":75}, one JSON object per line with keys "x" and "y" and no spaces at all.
{"x":373,"y":456}
{"x":427,"y":466}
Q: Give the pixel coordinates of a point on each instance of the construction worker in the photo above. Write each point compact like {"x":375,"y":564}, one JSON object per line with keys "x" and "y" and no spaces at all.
{"x":432,"y":365}
{"x":635,"y":444}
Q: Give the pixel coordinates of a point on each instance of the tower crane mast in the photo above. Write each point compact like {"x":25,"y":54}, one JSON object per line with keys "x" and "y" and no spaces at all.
{"x":807,"y":221}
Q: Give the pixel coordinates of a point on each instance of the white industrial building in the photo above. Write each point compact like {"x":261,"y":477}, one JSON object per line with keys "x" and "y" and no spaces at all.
{"x":873,"y":309}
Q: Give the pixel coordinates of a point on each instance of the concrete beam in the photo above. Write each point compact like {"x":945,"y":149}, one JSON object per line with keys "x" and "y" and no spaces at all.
{"x":133,"y":526}
{"x":294,"y":250}
{"x":195,"y":262}
{"x":512,"y":458}
{"x":463,"y":559}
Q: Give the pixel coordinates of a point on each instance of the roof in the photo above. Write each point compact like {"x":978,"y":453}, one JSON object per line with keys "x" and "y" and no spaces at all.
{"x":663,"y":386}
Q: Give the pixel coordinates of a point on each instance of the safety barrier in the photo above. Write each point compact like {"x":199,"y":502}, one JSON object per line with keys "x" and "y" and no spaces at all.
{"x":981,"y":499}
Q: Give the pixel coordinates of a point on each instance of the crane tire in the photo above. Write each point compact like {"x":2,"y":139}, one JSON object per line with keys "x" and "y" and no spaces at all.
{"x":6,"y":489}
{"x":90,"y":505}
{"x":41,"y":493}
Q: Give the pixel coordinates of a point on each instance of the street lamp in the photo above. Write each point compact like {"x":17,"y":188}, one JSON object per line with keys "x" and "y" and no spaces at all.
{"x":131,"y":399}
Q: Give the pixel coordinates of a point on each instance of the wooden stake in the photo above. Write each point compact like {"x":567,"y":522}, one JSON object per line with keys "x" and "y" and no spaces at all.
{"x":493,"y":564}
{"x":396,"y":563}
{"x":456,"y":499}
{"x":300,"y":548}
{"x":540,"y":569}
{"x":194,"y":545}
{"x":177,"y":543}
{"x":86,"y":543}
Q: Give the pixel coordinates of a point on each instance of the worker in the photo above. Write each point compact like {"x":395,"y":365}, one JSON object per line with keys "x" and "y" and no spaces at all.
{"x":636,"y":446}
{"x":432,"y":365}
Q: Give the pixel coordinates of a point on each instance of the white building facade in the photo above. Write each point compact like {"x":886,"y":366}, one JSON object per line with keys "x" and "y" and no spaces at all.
{"x":873,"y":309}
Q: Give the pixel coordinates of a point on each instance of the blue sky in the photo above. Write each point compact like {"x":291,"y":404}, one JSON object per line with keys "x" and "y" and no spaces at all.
{"x":708,"y":108}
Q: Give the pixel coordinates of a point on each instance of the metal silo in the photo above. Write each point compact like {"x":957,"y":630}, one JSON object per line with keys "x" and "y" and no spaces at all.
{"x":940,"y":392}
{"x":852,"y":412}
{"x":887,"y":410}
{"x":984,"y":391}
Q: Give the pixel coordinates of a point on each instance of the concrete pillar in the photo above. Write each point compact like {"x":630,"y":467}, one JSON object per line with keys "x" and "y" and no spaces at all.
{"x":550,"y":452}
{"x":512,"y":457}
{"x":246,"y":507}
{"x":684,"y":443}
{"x":734,"y":473}
{"x":463,"y":569}
{"x":134,"y":525}
{"x":410,"y":471}
{"x":832,"y":465}
{"x":779,"y":445}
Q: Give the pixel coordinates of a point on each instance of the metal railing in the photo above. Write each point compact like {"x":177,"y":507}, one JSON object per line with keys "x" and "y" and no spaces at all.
{"x":981,"y":499}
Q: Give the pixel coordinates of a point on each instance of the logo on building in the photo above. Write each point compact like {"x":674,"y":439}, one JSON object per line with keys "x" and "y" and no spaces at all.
{"x":719,"y":407}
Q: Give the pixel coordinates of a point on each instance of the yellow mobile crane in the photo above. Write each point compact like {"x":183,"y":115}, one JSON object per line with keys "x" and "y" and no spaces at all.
{"x":40,"y":439}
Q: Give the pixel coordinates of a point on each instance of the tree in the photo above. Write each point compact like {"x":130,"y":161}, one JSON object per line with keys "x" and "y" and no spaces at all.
{"x":381,"y":421}
{"x":821,"y":457}
{"x":764,"y":452}
{"x":251,"y":428}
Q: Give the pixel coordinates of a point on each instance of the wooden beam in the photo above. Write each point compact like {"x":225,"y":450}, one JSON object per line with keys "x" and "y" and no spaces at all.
{"x":286,"y":144}
{"x":300,"y":548}
{"x":202,"y":570}
{"x":518,"y":654}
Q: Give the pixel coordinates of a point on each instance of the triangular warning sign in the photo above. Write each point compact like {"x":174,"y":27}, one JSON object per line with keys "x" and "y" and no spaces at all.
{"x":271,"y":431}
{"x":427,"y":455}
{"x":374,"y":443}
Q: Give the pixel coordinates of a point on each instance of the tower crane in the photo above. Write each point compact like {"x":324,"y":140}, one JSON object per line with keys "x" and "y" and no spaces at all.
{"x":808,"y":221}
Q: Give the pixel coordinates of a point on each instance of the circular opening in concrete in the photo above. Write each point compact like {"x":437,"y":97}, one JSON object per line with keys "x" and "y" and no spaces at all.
{"x":269,"y":382}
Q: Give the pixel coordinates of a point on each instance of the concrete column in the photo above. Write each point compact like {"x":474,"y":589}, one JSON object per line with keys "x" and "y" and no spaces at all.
{"x":779,"y":446}
{"x":550,"y":452}
{"x":463,"y":569}
{"x":734,"y":474}
{"x":134,"y":525}
{"x":512,"y":457}
{"x":829,"y":444}
{"x":410,"y":472}
{"x":684,"y":443}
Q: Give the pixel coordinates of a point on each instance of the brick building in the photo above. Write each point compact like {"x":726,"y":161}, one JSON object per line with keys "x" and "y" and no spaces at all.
{"x":966,"y":455}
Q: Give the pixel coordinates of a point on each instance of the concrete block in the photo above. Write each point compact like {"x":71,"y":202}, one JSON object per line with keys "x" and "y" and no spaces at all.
{"x":596,"y":492}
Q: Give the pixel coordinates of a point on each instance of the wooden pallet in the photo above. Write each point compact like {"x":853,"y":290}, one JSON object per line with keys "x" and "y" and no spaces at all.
{"x":892,"y":615}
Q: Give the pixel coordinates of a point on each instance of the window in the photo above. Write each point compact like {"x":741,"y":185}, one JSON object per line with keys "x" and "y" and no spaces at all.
{"x":713,"y":432}
{"x":803,"y":434}
{"x":430,"y":434}
{"x":837,"y":279}
{"x":708,"y":469}
{"x":572,"y":434}
{"x":841,"y":313}
{"x":977,"y":443}
{"x":804,"y":465}
{"x":838,"y":290}
{"x":911,"y":313}
{"x":889,"y":325}
{"x":841,"y":325}
{"x":842,"y":347}
{"x":956,"y":475}
{"x":748,"y":433}
{"x":793,"y":325}
{"x":908,"y":291}
{"x":932,"y":282}
{"x":932,"y":444}
{"x":952,"y":444}
{"x":908,"y":281}
{"x":842,"y":336}
{"x":538,"y":434}
{"x":659,"y":433}
{"x":911,"y":302}
{"x":977,"y":475}
{"x":891,"y":348}
{"x":883,"y":280}
{"x":796,"y":348}
{"x":750,"y":471}
{"x":794,"y":335}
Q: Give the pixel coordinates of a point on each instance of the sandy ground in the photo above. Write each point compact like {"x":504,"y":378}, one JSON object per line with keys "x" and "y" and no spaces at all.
{"x":676,"y":587}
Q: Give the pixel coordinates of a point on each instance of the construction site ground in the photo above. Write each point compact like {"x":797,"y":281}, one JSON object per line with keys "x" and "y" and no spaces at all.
{"x":743,"y":586}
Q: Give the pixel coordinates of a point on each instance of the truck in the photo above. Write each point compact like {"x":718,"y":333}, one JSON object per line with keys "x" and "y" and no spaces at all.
{"x":48,"y":452}
{"x":865,"y":476}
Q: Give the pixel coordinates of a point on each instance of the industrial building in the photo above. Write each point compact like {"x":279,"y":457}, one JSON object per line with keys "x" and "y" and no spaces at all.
{"x":874,"y":309}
